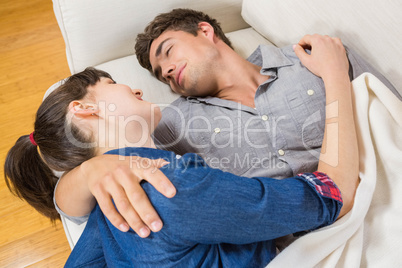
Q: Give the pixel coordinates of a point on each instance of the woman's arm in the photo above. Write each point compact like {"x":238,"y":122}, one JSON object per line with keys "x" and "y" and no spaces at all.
{"x":106,"y":178}
{"x":339,"y":154}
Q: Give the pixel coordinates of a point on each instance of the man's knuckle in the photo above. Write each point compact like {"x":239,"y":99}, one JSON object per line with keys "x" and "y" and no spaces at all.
{"x":121,"y":168}
{"x":107,"y":210}
{"x":138,"y":195}
{"x":136,"y":224}
{"x":97,"y":188}
{"x":108,"y":178}
{"x":148,"y":172}
{"x":149,"y":217}
{"x":123,"y":204}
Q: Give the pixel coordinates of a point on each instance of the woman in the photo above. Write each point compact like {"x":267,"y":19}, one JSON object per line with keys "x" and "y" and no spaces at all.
{"x":216,"y":218}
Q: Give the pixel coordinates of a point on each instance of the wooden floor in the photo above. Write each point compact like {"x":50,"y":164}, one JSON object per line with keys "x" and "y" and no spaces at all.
{"x":32,"y":58}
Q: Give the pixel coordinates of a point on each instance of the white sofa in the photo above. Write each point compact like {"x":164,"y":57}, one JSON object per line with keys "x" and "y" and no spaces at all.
{"x":102,"y":34}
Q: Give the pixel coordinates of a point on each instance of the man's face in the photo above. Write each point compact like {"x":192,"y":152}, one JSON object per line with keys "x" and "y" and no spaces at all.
{"x":185,"y":62}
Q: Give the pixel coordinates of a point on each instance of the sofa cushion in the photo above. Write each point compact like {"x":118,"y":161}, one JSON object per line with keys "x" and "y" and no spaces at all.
{"x":127,"y":70}
{"x":371,"y":28}
{"x":100,"y":31}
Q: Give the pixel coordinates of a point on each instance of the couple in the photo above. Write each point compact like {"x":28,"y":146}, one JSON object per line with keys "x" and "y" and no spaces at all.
{"x":215,"y":218}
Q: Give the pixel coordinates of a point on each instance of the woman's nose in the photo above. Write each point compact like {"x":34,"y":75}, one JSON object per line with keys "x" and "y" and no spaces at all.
{"x":137,"y":92}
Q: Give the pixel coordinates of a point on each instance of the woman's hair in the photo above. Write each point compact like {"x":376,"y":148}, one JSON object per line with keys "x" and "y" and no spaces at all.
{"x":28,"y":168}
{"x":179,"y":19}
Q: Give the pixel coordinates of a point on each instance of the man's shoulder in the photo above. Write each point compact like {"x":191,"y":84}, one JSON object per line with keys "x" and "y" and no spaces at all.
{"x":177,"y":106}
{"x":179,"y":102}
{"x":175,"y":113}
{"x":186,"y":106}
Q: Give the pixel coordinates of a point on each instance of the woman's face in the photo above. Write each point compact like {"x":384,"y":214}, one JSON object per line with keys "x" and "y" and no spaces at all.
{"x":124,"y":107}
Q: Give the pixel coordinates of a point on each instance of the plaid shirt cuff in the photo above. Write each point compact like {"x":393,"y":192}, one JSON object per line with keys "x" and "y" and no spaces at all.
{"x":323,"y":185}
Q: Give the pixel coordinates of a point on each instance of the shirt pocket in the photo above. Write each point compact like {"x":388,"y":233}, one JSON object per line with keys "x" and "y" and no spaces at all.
{"x":222,"y":140}
{"x":307,"y":106}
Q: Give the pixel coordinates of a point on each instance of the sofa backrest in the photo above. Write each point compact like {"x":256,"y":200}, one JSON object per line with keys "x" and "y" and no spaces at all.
{"x":90,"y":41}
{"x":370,"y":27}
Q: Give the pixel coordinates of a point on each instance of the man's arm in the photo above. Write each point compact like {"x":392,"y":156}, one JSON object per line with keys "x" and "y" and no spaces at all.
{"x":212,"y":206}
{"x":115,"y":183}
{"x":339,"y":154}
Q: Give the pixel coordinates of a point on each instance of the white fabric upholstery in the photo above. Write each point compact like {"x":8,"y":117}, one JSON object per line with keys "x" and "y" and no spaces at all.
{"x":370,"y":27}
{"x":102,"y":34}
{"x":73,"y":231}
{"x":370,"y":234}
{"x":100,"y":31}
{"x":126,"y":70}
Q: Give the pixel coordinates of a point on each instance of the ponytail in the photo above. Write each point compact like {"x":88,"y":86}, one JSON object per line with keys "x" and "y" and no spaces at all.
{"x":54,"y":145}
{"x":22,"y":169}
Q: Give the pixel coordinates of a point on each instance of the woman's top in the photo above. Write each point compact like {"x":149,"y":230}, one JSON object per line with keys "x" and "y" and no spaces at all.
{"x":216,"y":219}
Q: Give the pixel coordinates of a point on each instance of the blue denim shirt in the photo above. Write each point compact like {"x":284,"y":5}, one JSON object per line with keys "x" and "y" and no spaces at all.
{"x":216,"y":219}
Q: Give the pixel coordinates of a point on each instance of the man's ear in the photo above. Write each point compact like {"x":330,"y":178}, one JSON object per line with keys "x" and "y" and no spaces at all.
{"x":207,"y":30}
{"x":83,"y":109}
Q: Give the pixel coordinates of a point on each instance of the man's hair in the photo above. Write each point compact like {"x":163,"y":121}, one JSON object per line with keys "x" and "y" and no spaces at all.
{"x":28,"y":168}
{"x":180,"y":19}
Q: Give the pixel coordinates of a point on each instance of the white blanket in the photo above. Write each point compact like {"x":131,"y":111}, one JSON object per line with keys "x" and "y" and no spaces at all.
{"x":370,"y":235}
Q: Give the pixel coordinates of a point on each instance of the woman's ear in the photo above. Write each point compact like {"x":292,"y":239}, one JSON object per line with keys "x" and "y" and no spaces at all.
{"x":79,"y":108}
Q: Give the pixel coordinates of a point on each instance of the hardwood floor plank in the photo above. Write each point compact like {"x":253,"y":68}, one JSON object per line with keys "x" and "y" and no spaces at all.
{"x":32,"y":58}
{"x":37,"y":248}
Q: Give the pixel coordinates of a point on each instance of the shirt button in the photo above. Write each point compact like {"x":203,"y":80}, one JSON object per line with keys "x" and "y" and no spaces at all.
{"x":281,"y":152}
{"x":264,"y":117}
{"x":178,"y":156}
{"x":217,"y":130}
{"x":310,"y":92}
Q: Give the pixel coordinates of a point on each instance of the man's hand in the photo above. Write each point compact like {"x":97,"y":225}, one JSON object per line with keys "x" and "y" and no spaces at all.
{"x":327,"y":58}
{"x":115,"y":183}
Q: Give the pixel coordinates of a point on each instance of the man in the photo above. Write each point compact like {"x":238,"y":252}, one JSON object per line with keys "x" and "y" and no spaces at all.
{"x":258,"y":117}
{"x":265,"y":121}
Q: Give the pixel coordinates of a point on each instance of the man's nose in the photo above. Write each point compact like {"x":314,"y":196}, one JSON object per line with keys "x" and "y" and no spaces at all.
{"x":168,"y":72}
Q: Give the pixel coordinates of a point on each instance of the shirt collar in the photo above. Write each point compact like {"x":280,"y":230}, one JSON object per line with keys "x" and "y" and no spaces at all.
{"x":220,"y":102}
{"x":270,"y":57}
